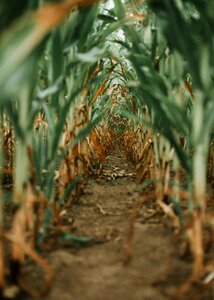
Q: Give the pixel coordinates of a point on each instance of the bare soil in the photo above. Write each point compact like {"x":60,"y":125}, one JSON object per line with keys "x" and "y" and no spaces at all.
{"x":100,"y":270}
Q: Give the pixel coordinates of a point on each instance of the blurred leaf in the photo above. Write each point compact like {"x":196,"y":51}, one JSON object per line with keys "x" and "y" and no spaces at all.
{"x":23,"y":37}
{"x":82,"y":241}
{"x":91,"y":56}
{"x":69,"y":189}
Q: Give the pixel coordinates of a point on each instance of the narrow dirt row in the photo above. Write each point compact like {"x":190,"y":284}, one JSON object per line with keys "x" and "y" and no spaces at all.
{"x":99,"y":271}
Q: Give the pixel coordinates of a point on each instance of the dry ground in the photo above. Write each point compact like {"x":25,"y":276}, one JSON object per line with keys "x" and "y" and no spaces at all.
{"x":100,"y":271}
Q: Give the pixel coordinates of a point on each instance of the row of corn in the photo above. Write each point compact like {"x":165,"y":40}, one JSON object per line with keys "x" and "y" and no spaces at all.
{"x":73,"y":71}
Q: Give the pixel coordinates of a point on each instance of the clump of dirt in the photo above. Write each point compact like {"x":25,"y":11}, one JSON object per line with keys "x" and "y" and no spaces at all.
{"x":101,"y":271}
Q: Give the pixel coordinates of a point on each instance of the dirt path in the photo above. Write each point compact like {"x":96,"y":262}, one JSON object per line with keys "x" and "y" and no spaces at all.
{"x":98,"y":272}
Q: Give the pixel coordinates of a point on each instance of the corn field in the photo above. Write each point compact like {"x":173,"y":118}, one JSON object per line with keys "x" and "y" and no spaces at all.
{"x":78,"y":77}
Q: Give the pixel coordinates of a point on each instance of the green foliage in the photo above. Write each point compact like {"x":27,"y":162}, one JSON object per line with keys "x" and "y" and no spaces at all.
{"x":141,"y":64}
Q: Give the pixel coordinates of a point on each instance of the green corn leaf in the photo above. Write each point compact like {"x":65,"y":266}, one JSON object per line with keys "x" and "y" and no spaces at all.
{"x":69,"y":189}
{"x":79,"y":240}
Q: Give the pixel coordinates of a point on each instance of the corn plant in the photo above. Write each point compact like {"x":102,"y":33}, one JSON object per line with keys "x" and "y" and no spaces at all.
{"x":175,"y":83}
{"x":43,"y":85}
